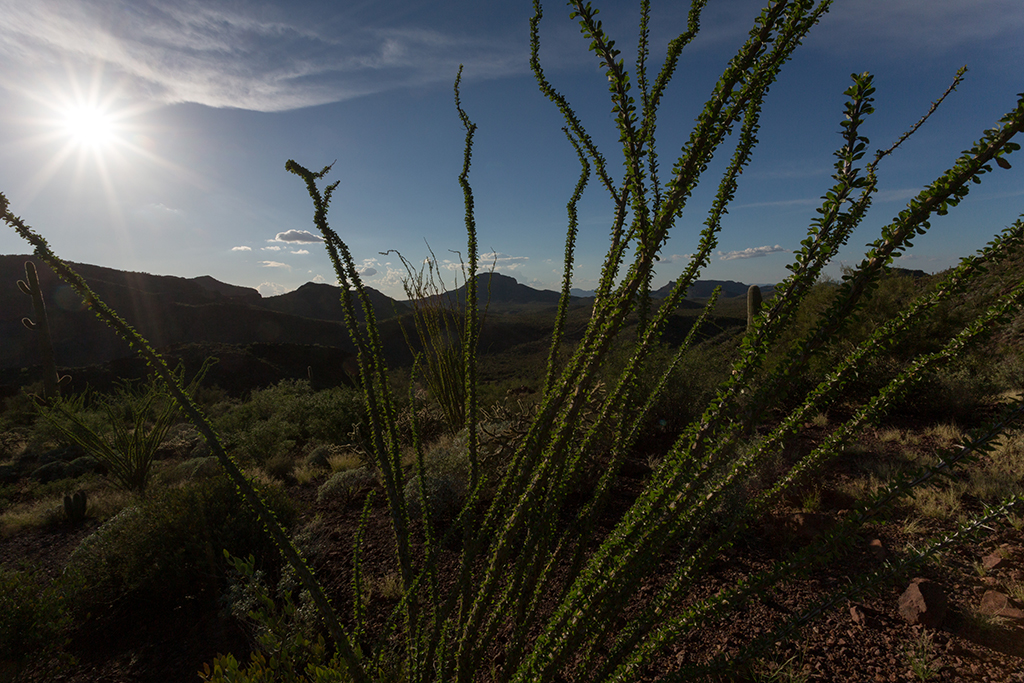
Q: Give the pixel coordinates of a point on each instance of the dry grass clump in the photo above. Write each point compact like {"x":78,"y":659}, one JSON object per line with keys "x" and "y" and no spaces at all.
{"x":34,"y":514}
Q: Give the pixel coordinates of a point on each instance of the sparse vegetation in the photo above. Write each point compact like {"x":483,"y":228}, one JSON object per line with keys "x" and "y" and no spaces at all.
{"x":525,"y":545}
{"x":920,"y":655}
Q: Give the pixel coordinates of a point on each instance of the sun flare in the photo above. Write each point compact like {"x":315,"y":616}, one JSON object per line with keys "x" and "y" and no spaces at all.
{"x":89,"y":126}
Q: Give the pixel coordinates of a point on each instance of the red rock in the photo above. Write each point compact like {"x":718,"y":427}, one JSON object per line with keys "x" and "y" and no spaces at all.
{"x":999,"y":605}
{"x":924,"y":602}
{"x":993,"y":561}
{"x":877,"y":549}
{"x":862,"y":617}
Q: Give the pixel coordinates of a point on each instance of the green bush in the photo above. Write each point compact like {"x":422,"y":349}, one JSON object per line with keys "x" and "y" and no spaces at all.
{"x":692,"y":383}
{"x":446,"y":481}
{"x":320,"y":456}
{"x":35,"y":622}
{"x":944,"y":393}
{"x":288,"y":416}
{"x":287,"y":649}
{"x":344,"y":486}
{"x":137,"y":417}
{"x":167,"y":549}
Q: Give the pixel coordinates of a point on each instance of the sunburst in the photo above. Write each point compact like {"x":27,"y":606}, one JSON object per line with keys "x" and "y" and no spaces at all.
{"x":89,"y":125}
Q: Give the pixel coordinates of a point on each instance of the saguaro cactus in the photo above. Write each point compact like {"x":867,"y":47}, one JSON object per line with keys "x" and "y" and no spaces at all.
{"x":753,"y":304}
{"x":30,"y":286}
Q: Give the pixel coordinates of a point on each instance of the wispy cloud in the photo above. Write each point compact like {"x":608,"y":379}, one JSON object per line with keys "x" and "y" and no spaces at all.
{"x":274,"y":264}
{"x":241,"y":248}
{"x":752,"y":252}
{"x":919,"y":26}
{"x":246,"y":55}
{"x":502,"y":261}
{"x":781,"y":202}
{"x":300,"y":251}
{"x":900,"y":195}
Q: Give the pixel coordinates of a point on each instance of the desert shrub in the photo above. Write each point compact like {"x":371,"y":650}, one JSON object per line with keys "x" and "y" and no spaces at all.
{"x":320,"y":456}
{"x":288,"y":416}
{"x":167,"y":549}
{"x":346,"y":485}
{"x":943,"y":393}
{"x":287,"y":649}
{"x":192,"y":469}
{"x":279,"y":467}
{"x":34,"y":620}
{"x":692,"y":383}
{"x":445,"y":481}
{"x":18,"y":412}
{"x":135,"y":420}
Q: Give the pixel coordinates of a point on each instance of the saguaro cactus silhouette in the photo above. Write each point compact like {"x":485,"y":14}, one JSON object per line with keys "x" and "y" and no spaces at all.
{"x":753,"y":304}
{"x":30,"y":286}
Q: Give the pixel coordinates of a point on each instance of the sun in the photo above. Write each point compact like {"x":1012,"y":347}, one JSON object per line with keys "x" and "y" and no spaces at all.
{"x":89,"y":126}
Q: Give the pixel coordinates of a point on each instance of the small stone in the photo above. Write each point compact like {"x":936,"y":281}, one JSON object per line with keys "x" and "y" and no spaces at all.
{"x":924,"y":602}
{"x":877,"y":549}
{"x":998,"y":604}
{"x":993,"y":561}
{"x":862,"y":617}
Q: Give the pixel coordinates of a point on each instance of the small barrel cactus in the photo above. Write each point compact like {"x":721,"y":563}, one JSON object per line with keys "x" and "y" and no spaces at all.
{"x":74,"y":508}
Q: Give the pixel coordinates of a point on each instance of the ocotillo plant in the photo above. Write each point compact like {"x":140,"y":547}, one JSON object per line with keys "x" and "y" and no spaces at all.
{"x":41,"y":325}
{"x":544,"y":572}
{"x":439,"y":320}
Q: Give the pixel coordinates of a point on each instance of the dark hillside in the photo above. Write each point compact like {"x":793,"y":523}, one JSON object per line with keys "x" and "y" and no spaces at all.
{"x":230,"y":321}
{"x":323,"y":302}
{"x":702,"y":289}
{"x":502,"y":291}
{"x":166,"y":310}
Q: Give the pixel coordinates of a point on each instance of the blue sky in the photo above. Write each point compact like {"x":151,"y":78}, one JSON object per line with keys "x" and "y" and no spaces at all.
{"x":205,"y":101}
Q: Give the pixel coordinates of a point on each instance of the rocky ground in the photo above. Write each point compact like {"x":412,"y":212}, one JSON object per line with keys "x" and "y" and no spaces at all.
{"x":958,"y":619}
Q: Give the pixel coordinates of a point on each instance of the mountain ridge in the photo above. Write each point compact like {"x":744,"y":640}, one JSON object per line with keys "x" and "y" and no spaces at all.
{"x":170,"y":310}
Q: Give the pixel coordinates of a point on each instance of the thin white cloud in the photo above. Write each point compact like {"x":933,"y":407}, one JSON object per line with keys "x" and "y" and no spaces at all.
{"x":241,"y":248}
{"x":271,"y":289}
{"x":672,"y":258}
{"x":752,"y":252}
{"x":300,"y":251}
{"x":246,"y":55}
{"x":502,"y":261}
{"x":274,"y":264}
{"x":270,"y":248}
{"x":781,"y":202}
{"x":919,"y":26}
{"x":303,"y":236}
